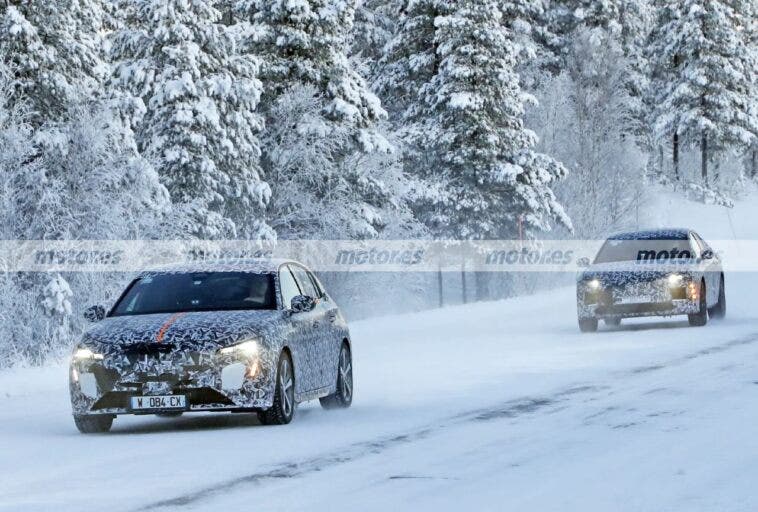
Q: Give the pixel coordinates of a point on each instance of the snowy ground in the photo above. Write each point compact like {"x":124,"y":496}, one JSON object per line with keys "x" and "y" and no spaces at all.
{"x":497,"y":406}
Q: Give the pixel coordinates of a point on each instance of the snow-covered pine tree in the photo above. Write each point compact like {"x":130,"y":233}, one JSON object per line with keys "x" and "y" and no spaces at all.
{"x":563,"y":17}
{"x":701,"y":85}
{"x":306,"y":43}
{"x":374,"y":27}
{"x":487,"y":178}
{"x":318,"y":192}
{"x":403,"y":75}
{"x":750,"y":35}
{"x":322,"y":140}
{"x":524,"y":18}
{"x":54,"y":50}
{"x":635,"y":20}
{"x":410,"y":60}
{"x":199,"y":125}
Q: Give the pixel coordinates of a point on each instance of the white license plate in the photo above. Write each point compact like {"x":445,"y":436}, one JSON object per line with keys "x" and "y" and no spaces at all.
{"x":158,"y":402}
{"x":635,"y":299}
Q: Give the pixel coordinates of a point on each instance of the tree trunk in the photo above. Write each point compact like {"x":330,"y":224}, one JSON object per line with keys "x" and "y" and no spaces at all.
{"x":676,"y":156}
{"x":755,"y":163}
{"x":704,"y":158}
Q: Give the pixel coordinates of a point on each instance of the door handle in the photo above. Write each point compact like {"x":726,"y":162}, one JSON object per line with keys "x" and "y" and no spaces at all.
{"x":332,"y":316}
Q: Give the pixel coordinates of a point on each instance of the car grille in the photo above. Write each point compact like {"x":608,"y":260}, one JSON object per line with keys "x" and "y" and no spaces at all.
{"x":147,"y":349}
{"x":631,"y":309}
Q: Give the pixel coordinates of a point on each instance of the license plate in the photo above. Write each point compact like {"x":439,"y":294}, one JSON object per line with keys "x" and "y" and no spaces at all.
{"x":147,"y":403}
{"x":634,"y":299}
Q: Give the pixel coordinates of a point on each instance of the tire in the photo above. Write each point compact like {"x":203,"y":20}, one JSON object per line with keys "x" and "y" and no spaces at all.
{"x":283,"y":409}
{"x":612,"y":322}
{"x":718,"y":311}
{"x":701,"y":318}
{"x":588,"y":324}
{"x":96,"y":424}
{"x":344,"y":395}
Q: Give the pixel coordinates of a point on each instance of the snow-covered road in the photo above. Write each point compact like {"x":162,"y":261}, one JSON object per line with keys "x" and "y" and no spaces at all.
{"x":496,"y":406}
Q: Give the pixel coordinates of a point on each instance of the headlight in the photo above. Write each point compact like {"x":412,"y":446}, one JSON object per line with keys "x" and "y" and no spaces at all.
{"x":247,"y":349}
{"x":675,"y":280}
{"x":593,"y":284}
{"x":248,"y":352}
{"x":83,"y":353}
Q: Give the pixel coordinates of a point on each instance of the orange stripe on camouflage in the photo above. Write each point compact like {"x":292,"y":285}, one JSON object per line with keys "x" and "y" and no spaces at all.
{"x":162,"y":331}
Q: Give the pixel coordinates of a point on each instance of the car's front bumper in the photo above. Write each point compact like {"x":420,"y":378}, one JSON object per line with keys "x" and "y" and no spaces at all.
{"x":634,"y":310}
{"x":622,"y":301}
{"x":107,"y":386}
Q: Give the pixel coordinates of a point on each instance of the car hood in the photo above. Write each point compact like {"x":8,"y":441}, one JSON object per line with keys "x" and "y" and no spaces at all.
{"x":196,"y":331}
{"x":630,"y":272}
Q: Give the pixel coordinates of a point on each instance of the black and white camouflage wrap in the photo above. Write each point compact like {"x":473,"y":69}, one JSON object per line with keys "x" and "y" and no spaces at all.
{"x":637,"y":289}
{"x":164,"y":354}
{"x":627,"y":284}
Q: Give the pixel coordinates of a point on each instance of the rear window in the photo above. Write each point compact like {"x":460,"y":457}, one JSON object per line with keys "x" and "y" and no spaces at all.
{"x":201,"y":291}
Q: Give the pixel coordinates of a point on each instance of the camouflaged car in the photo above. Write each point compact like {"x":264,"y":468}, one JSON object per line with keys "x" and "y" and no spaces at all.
{"x":258,"y":336}
{"x":664,"y":272}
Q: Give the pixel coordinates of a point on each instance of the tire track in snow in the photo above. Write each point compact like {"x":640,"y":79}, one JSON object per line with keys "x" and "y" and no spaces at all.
{"x":512,"y":409}
{"x":509,"y":410}
{"x":715,"y":349}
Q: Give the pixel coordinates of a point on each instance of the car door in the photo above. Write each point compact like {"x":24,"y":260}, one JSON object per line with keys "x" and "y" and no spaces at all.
{"x":319,"y":337}
{"x":333,"y":325}
{"x":305,"y":357}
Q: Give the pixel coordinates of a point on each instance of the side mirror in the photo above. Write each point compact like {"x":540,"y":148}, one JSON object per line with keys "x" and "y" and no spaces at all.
{"x":707,"y":254}
{"x":302,"y":303}
{"x":583,"y":262}
{"x":94,"y":313}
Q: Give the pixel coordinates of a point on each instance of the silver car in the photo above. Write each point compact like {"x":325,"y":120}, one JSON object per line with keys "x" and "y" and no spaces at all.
{"x":259,"y":336}
{"x":664,"y":272}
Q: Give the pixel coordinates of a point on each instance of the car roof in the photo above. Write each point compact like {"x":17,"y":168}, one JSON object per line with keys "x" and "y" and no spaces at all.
{"x":654,"y":234}
{"x":253,"y":265}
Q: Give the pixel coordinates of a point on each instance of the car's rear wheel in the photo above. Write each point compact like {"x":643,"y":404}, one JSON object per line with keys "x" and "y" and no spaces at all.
{"x":96,"y":424}
{"x":700,"y":318}
{"x":719,"y":310}
{"x":283,"y":408}
{"x":588,"y":324}
{"x":613,"y":322}
{"x":344,"y":395}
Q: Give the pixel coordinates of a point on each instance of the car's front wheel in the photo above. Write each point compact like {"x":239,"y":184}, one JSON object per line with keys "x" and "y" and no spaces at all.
{"x":700,"y":318}
{"x":96,"y":424}
{"x":344,"y":395}
{"x":588,"y":324}
{"x":283,"y":408}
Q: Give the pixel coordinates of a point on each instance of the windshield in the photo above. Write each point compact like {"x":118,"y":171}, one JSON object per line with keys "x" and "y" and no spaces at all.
{"x":645,"y":251}
{"x":201,"y":291}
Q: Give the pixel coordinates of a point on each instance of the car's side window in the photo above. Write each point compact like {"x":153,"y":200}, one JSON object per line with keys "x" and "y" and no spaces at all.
{"x":306,"y":285}
{"x":316,"y":284}
{"x":288,"y":286}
